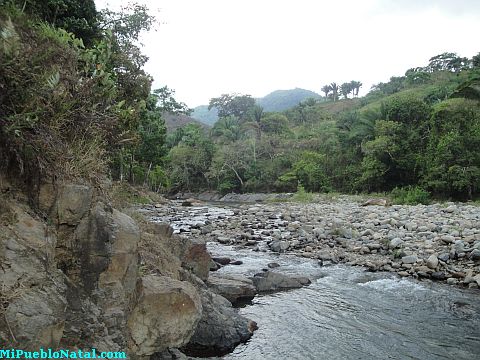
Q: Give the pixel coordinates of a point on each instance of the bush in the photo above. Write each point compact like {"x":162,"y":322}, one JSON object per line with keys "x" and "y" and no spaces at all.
{"x":410,"y":195}
{"x":302,"y":195}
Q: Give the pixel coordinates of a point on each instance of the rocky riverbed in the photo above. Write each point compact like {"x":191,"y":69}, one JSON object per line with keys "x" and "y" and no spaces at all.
{"x":438,"y":242}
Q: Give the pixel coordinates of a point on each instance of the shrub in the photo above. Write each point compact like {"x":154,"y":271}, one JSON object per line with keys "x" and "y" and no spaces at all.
{"x":410,"y":195}
{"x":302,"y":195}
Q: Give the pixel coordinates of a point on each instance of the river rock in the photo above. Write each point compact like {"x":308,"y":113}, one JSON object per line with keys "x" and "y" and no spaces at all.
{"x":273,"y":281}
{"x":409,"y":259}
{"x":222,"y":260}
{"x":448,"y":239}
{"x":234,"y":288}
{"x":279,"y":245}
{"x":378,"y":202}
{"x":444,"y":257}
{"x":395,"y":243}
{"x":432,"y":261}
{"x":273,"y":265}
{"x":475,"y":255}
{"x":220,"y":328}
{"x":438,"y":275}
{"x":165,"y":315}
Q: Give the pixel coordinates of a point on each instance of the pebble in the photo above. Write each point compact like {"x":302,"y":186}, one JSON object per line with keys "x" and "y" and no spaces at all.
{"x":440,"y":242}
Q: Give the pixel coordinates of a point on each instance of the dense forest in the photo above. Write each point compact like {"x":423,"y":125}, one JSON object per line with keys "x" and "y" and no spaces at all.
{"x":76,"y":102}
{"x":417,"y":135}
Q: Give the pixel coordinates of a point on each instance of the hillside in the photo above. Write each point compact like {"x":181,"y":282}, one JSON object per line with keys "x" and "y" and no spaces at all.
{"x":202,"y":114}
{"x":276,"y":101}
{"x":281,"y":100}
{"x":415,"y":136}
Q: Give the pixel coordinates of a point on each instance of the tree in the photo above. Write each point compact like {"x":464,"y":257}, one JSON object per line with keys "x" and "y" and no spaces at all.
{"x":452,"y":159}
{"x":309,"y":171}
{"x":123,"y":29}
{"x":406,"y":108}
{"x":275,"y":123}
{"x":233,"y":105}
{"x":415,"y":76}
{"x":227,"y":129}
{"x":346,"y":88}
{"x":476,"y":61}
{"x":76,"y":16}
{"x":256,"y":113}
{"x":355,"y":85}
{"x":167,"y":102}
{"x":334,"y":87}
{"x":326,"y":89}
{"x":448,"y":61}
{"x":190,"y":159}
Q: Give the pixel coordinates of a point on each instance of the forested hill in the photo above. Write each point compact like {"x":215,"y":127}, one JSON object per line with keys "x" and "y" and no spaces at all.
{"x":416,"y":136}
{"x":278,"y":100}
{"x":202,"y":114}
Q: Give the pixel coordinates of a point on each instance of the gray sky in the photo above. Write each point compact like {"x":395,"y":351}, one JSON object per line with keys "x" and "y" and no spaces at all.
{"x":205,"y":48}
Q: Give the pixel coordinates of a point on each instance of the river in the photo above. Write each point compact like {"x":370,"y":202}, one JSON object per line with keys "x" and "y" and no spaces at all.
{"x":348,"y":313}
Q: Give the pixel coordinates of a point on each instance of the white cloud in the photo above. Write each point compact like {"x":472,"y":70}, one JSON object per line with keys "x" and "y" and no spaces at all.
{"x":209,"y":47}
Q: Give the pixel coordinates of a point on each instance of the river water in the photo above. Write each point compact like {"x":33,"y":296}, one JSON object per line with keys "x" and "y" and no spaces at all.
{"x":347,"y":313}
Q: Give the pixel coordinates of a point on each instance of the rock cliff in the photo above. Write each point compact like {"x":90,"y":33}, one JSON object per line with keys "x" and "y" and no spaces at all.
{"x":76,"y":273}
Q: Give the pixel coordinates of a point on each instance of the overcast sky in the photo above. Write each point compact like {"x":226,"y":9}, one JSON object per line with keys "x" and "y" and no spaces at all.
{"x":204,"y":48}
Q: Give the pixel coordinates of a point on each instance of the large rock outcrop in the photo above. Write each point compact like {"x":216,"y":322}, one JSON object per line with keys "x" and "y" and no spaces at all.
{"x":220,"y":329}
{"x":235,"y":288}
{"x":33,"y":291}
{"x":165,"y":315}
{"x":92,"y":278}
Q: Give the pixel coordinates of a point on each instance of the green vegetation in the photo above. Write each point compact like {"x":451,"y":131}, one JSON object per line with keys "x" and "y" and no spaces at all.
{"x":278,"y":100}
{"x":417,"y":135}
{"x":410,"y":195}
{"x":75,"y":102}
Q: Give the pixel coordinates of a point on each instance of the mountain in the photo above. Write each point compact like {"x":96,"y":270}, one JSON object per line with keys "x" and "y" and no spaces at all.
{"x":175,"y":121}
{"x":202,"y":114}
{"x":278,"y":100}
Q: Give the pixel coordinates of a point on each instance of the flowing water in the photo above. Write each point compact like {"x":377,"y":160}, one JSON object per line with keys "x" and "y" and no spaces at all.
{"x":347,"y":313}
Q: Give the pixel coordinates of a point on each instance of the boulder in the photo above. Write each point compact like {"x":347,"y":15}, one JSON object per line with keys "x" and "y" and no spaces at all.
{"x":272,"y":281}
{"x":222,"y":260}
{"x":220,"y":329}
{"x":279,"y":246}
{"x":378,"y":202}
{"x":196,"y":258}
{"x":234,"y":288}
{"x":165,"y":315}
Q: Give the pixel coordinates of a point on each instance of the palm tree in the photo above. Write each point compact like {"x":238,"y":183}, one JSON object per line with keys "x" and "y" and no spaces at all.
{"x":227,"y":129}
{"x":346,"y":88}
{"x":356,"y":85}
{"x":334,"y":88}
{"x":326,"y":89}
